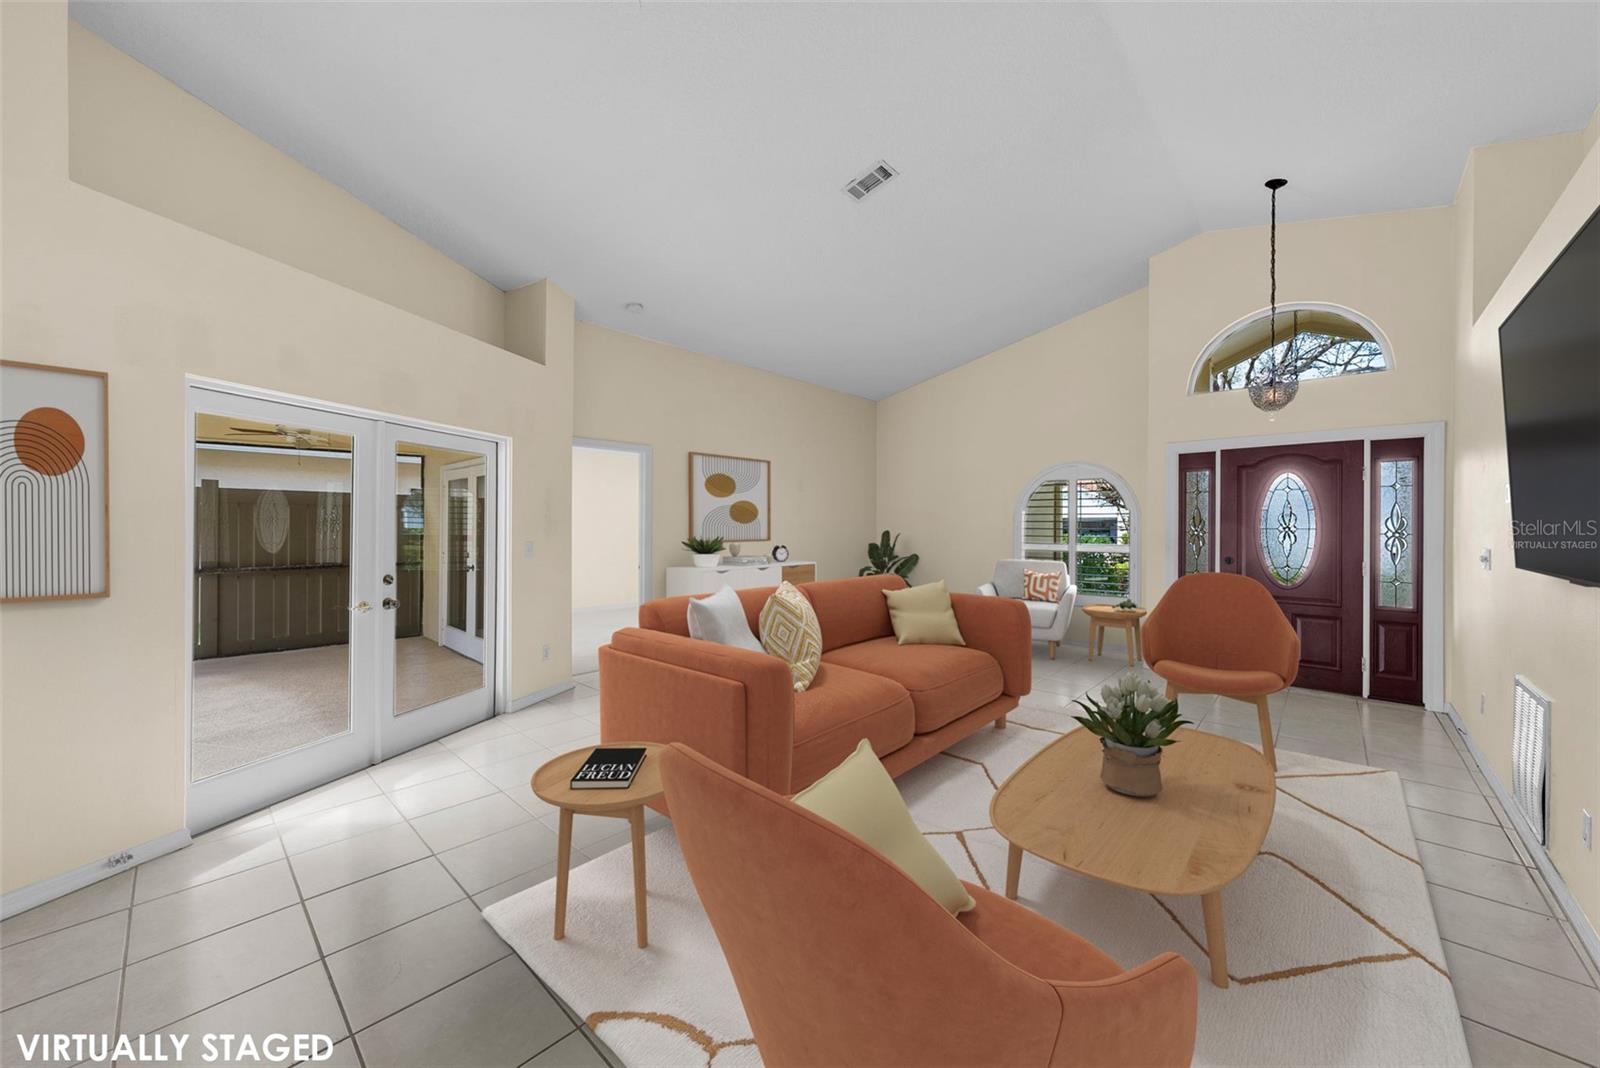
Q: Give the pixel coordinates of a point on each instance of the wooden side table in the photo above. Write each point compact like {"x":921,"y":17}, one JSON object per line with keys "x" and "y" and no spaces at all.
{"x":552,"y":783}
{"x":1127,"y":620}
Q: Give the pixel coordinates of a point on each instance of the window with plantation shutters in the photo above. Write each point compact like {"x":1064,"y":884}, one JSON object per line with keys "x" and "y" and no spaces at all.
{"x":1083,"y":517}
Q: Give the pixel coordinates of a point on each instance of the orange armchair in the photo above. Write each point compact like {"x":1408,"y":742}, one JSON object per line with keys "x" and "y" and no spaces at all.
{"x":840,"y":958}
{"x":1220,"y":633}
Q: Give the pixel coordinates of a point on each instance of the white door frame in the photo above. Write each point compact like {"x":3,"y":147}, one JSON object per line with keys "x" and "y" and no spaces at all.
{"x":646,"y":502}
{"x":468,"y":644}
{"x":1433,"y":528}
{"x":200,"y":386}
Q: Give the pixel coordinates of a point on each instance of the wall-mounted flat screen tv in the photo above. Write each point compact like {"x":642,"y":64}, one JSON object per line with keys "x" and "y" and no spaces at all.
{"x":1550,"y":363}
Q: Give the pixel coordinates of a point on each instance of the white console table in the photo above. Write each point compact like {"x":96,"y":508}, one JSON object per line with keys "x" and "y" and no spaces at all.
{"x":687,"y":580}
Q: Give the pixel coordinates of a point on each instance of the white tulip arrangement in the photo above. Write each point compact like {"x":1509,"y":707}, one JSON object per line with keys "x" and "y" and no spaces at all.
{"x":1131,"y":712}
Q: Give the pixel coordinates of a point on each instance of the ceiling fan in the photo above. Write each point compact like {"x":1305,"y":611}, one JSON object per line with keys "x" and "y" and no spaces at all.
{"x":299,"y":437}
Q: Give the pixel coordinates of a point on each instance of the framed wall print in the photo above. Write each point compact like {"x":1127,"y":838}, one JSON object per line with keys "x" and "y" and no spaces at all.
{"x":730,"y":497}
{"x":54,"y":483}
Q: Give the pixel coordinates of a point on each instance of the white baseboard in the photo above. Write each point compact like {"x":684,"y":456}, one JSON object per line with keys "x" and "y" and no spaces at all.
{"x":541,"y":695}
{"x":26,"y":897}
{"x":1530,"y":843}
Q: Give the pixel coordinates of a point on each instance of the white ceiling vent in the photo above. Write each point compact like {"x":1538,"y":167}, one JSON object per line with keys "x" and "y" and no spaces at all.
{"x":859,"y":188}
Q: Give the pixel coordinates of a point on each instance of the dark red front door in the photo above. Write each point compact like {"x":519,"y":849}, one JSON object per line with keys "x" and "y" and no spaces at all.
{"x":1291,"y":519}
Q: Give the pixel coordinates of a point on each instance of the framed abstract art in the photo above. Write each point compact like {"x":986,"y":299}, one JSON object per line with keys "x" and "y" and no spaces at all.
{"x":54,"y":483}
{"x":730,"y":497}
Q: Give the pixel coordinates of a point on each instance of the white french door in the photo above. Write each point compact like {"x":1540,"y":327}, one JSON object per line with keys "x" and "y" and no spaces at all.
{"x":343,"y":594}
{"x":438,"y":637}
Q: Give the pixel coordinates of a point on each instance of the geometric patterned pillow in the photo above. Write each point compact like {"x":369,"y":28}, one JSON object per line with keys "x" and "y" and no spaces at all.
{"x":1041,"y":585}
{"x":791,"y":632}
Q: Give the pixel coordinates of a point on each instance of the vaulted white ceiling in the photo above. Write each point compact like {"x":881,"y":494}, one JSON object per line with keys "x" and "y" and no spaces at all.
{"x":692,"y":157}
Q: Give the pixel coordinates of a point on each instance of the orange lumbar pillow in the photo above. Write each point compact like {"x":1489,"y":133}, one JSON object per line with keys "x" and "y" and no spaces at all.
{"x":1041,"y":585}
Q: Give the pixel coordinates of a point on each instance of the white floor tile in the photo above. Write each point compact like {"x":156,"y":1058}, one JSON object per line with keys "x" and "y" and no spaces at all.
{"x":337,"y":824}
{"x":487,"y":861}
{"x":93,"y":901}
{"x":467,"y":822}
{"x":180,"y":982}
{"x":301,"y":1002}
{"x":345,"y":916}
{"x":204,"y":861}
{"x":414,"y":801}
{"x":392,"y":970}
{"x":330,"y":866}
{"x":202,"y":910}
{"x":89,"y":1008}
{"x":61,"y":959}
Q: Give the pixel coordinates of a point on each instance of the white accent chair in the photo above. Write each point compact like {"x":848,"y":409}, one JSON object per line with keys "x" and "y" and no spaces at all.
{"x":1050,"y":620}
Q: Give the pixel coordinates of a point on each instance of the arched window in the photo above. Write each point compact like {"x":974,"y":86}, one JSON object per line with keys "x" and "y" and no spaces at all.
{"x":1084,"y":516}
{"x":1317,"y":340}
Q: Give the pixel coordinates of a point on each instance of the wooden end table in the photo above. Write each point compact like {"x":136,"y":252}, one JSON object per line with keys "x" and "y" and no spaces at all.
{"x":1102,"y":616}
{"x":1192,"y":839}
{"x":552,"y":783}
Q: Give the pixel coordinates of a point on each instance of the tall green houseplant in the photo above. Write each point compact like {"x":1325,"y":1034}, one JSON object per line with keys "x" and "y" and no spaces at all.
{"x":882,"y":559}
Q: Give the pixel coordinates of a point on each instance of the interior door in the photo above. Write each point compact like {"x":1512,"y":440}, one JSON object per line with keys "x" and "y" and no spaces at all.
{"x":1395,"y":659}
{"x":1291,"y":518}
{"x":462,"y":551}
{"x":436,"y":641}
{"x":282,"y":601}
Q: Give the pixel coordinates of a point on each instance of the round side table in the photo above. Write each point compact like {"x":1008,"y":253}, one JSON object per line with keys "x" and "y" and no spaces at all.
{"x":1102,"y":616}
{"x":552,"y":784}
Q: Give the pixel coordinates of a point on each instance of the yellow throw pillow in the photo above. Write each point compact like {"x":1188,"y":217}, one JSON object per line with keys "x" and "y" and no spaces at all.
{"x":858,"y":796}
{"x":790,"y":631}
{"x":1041,"y":585}
{"x":922,"y":615}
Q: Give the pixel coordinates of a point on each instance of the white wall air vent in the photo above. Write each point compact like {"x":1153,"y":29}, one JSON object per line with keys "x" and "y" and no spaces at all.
{"x":1530,"y":756}
{"x":859,"y":188}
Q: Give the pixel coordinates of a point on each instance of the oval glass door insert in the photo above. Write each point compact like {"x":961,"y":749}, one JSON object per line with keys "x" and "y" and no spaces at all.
{"x":1288,"y":529}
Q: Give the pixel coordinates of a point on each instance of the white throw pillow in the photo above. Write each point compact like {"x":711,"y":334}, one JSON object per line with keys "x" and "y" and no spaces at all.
{"x":720,"y":618}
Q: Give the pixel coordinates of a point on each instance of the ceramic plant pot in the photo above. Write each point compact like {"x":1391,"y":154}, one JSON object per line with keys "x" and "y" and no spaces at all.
{"x":1129,"y":770}
{"x":706,"y":559}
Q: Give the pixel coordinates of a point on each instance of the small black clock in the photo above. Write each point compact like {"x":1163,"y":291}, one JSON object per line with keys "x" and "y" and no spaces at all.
{"x":780,"y":553}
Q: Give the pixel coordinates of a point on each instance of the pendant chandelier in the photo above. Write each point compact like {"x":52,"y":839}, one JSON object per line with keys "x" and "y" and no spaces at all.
{"x":1273,"y":385}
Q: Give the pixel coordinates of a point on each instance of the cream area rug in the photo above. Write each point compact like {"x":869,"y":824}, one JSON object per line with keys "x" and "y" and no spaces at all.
{"x":1332,"y":945}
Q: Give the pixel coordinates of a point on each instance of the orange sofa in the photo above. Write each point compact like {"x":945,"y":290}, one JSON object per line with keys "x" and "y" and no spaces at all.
{"x":840,"y":959}
{"x":739,"y":707}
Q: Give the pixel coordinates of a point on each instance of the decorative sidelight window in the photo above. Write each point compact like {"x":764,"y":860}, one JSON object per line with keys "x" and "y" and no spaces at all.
{"x":1311,"y":340}
{"x":1196,"y":512}
{"x":1397,"y":522}
{"x":1288,"y":529}
{"x":1082,"y":516}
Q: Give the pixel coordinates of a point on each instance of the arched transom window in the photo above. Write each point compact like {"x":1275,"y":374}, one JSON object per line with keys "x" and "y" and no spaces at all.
{"x":1083,"y":516}
{"x":1315,"y":340}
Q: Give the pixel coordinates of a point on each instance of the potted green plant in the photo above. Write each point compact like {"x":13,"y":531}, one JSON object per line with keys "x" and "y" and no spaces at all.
{"x":707,"y":551}
{"x":882,"y":559}
{"x":1134,"y":722}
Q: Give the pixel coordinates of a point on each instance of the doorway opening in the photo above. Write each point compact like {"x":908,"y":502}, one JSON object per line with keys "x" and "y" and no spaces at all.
{"x":344,"y":596}
{"x":610,"y":543}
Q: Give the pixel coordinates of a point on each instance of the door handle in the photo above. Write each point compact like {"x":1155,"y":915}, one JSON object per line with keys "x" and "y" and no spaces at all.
{"x":390,"y":602}
{"x":361,"y":606}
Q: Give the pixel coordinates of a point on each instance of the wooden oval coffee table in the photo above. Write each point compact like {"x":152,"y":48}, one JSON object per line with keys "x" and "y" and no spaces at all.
{"x":552,"y":783}
{"x":1191,"y":840}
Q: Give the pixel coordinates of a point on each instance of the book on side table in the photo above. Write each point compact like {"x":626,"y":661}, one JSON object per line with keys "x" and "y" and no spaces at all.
{"x":609,"y":768}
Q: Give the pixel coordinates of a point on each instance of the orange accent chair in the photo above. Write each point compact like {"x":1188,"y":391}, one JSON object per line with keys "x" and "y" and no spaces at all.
{"x":840,"y":958}
{"x":1220,"y":633}
{"x":739,"y":707}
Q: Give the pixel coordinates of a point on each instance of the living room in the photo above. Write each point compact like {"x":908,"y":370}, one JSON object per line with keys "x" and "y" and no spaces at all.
{"x":287,"y":748}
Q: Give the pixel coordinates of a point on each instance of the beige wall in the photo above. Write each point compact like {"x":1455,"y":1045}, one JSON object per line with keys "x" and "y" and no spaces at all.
{"x":90,"y":281}
{"x":140,"y":138}
{"x":956,"y":452}
{"x":1520,"y":204}
{"x":605,"y":528}
{"x":1395,"y":268}
{"x":821,"y":443}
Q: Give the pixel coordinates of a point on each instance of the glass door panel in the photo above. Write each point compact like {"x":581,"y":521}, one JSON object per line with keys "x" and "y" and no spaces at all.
{"x":440,"y":671}
{"x":278,"y":672}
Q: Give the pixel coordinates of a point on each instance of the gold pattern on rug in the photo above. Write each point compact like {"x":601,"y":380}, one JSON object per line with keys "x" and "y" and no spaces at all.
{"x":1353,"y":827}
{"x":671,"y":1023}
{"x":987,"y":774}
